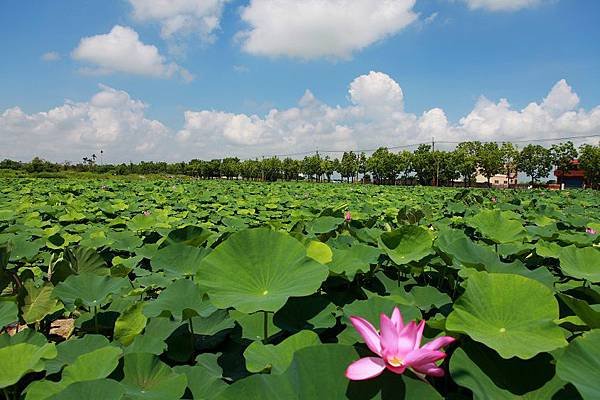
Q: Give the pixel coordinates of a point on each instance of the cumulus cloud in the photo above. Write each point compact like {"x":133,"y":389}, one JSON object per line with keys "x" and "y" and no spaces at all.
{"x":111,"y":121}
{"x":181,"y":17}
{"x":502,"y":5}
{"x":50,"y":56}
{"x":315,"y":28}
{"x":375,"y":116}
{"x":121,"y":50}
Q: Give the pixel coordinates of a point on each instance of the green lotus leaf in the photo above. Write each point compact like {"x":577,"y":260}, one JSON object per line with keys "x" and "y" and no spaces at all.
{"x":277,"y":358}
{"x":22,"y":358}
{"x":253,"y":325}
{"x":182,"y":299}
{"x":427,"y":297}
{"x":88,"y":290}
{"x":309,"y":312}
{"x":214,"y":323}
{"x":319,"y":252}
{"x":491,"y":377}
{"x":97,"y":364}
{"x":146,"y":377}
{"x":124,"y":241}
{"x":8,"y":313}
{"x":259,"y":269}
{"x":205,"y":378}
{"x":318,"y":371}
{"x":130,"y":324}
{"x":37,"y":303}
{"x":86,"y":260}
{"x":407,"y":243}
{"x":189,"y":235}
{"x":101,"y":389}
{"x":323,"y":225}
{"x":354,"y":259}
{"x":583,"y":310}
{"x":520,"y":324}
{"x":580,"y":263}
{"x":580,"y":364}
{"x":24,"y":248}
{"x":69,"y":350}
{"x":28,"y":336}
{"x":499,"y":226}
{"x":179,"y":259}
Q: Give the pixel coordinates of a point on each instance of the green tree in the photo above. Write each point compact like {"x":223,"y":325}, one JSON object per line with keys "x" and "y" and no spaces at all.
{"x":535,"y":161}
{"x":589,"y":161}
{"x":466,"y":155}
{"x":563,"y":155}
{"x":423,"y":164}
{"x":489,"y":157}
{"x":510,"y":156}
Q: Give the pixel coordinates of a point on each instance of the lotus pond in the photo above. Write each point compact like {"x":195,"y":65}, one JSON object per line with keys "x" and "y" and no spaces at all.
{"x":169,"y":289}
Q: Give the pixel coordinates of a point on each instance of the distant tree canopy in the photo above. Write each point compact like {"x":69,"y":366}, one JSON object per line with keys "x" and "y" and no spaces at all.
{"x":424,"y":165}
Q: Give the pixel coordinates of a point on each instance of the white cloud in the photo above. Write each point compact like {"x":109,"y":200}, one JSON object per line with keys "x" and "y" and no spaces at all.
{"x":111,"y":121}
{"x":50,"y":56}
{"x":121,"y":50}
{"x":311,"y":29}
{"x":181,"y":17}
{"x":376,"y":117}
{"x":502,"y":5}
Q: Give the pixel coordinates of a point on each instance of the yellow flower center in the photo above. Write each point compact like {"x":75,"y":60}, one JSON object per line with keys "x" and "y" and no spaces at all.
{"x":395,"y":362}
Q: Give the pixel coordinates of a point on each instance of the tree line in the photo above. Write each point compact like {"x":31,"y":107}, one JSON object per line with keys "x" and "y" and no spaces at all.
{"x":423,"y":166}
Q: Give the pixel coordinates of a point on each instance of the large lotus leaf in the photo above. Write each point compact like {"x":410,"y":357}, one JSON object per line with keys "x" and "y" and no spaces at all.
{"x":69,"y":350}
{"x":125,"y":240}
{"x":324,"y":224}
{"x":310,"y":312}
{"x":86,"y":260}
{"x":8,"y":313}
{"x":146,"y":377}
{"x":179,"y":259}
{"x":407,"y":243}
{"x":130,"y":324}
{"x":457,"y":245}
{"x":491,"y":377}
{"x":182,"y":299}
{"x":101,"y":389}
{"x":498,"y":226}
{"x":189,"y":235}
{"x":22,"y":358}
{"x":97,"y":364}
{"x":212,"y":324}
{"x":317,"y":372}
{"x":580,"y":364}
{"x":511,"y":314}
{"x":583,"y":310}
{"x":38,"y":302}
{"x":23,"y":248}
{"x":205,"y":378}
{"x":277,"y":358}
{"x":354,"y":259}
{"x":580,"y":263}
{"x":427,"y":297}
{"x":259,"y":269}
{"x":87,"y":289}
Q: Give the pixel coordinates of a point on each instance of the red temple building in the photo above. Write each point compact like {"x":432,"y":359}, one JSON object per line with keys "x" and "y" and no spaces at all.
{"x":572,"y":179}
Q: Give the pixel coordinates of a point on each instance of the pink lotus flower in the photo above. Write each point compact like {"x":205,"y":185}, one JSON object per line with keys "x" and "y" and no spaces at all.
{"x":398,"y":347}
{"x":494,"y":200}
{"x":591,"y":231}
{"x":348,"y":216}
{"x":147,"y":213}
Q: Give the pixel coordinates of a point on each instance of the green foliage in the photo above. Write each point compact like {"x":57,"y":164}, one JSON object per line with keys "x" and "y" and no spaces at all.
{"x":221,"y":289}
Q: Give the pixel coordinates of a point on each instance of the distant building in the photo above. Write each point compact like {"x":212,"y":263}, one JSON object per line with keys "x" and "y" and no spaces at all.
{"x":498,"y":180}
{"x":572,"y":179}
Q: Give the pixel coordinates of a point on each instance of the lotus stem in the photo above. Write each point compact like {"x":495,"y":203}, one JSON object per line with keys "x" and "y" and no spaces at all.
{"x":265,"y":325}
{"x":96,"y":319}
{"x":193,"y":342}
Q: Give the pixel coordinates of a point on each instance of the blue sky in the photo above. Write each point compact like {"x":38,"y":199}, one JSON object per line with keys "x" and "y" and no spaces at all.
{"x":443,"y":54}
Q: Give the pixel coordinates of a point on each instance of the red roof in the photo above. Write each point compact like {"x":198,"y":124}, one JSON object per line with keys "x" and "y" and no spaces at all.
{"x":574,"y":173}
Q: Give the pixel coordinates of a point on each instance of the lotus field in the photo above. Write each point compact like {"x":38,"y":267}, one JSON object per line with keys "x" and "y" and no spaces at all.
{"x":170,"y":289}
